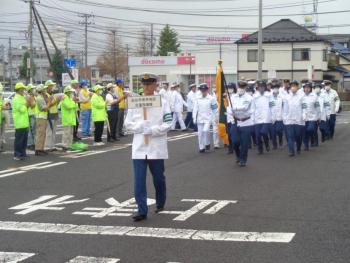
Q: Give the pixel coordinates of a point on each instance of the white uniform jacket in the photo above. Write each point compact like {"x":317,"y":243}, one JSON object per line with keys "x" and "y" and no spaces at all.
{"x":276,"y":107}
{"x":332,"y":97}
{"x":160,"y":118}
{"x":191,"y":97}
{"x":241,"y":110}
{"x":293,"y":112}
{"x":311,"y":107}
{"x":261,"y":108}
{"x":204,"y":109}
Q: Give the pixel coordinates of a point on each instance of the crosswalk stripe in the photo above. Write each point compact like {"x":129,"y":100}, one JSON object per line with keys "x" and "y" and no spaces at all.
{"x":81,"y":259}
{"x":14,"y":257}
{"x":166,"y":233}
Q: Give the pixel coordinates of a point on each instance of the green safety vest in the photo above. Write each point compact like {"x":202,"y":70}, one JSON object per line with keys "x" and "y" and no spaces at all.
{"x":32,"y":111}
{"x":53,"y":109}
{"x":20,"y":112}
{"x":68,"y":111}
{"x":40,"y":114}
{"x":98,"y":108}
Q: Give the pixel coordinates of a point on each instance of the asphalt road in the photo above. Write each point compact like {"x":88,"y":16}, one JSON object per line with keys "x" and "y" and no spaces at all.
{"x":278,"y":209}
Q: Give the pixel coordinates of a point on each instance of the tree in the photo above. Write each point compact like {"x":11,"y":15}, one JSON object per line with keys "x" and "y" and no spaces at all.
{"x":168,"y":41}
{"x":105,"y":61}
{"x":57,"y":67}
{"x":144,"y":43}
{"x":23,"y":70}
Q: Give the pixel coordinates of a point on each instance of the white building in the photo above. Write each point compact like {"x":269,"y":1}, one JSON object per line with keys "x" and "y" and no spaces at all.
{"x":291,"y":51}
{"x":186,"y":68}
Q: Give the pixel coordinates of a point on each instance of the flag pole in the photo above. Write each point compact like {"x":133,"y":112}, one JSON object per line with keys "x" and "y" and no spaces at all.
{"x":225,"y":84}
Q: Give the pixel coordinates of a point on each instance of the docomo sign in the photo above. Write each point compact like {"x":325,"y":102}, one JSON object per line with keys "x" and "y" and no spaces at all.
{"x":162,"y":61}
{"x":152,"y":61}
{"x":220,"y":40}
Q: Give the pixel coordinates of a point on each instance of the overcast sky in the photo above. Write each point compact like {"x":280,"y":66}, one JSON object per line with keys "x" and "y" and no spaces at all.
{"x":17,"y":11}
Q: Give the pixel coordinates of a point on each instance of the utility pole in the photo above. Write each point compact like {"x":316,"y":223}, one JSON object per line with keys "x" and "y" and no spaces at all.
{"x":86,"y":22}
{"x":114,"y":57}
{"x":10,"y":61}
{"x":31,"y":51}
{"x":66,"y":44}
{"x":220,"y":45}
{"x":2,"y":50}
{"x":151,"y":39}
{"x":260,"y":36}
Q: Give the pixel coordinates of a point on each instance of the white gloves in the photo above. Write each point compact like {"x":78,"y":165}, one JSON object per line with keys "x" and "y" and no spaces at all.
{"x":147,"y":128}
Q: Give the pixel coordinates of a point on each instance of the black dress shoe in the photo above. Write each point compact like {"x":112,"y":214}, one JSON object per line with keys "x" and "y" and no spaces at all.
{"x":291,"y":154}
{"x":202,"y":151}
{"x":207,"y":147}
{"x":158,"y":210}
{"x":138,"y":218}
{"x":40,"y":153}
{"x":242,"y":164}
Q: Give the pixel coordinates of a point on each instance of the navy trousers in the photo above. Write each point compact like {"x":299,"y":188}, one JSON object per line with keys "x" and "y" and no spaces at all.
{"x":294,"y":137}
{"x":240,"y":137}
{"x":189,"y":121}
{"x":262,"y":135}
{"x":20,"y":144}
{"x":140,"y":190}
{"x":324,"y":129}
{"x":309,"y":133}
{"x":277,"y":132}
{"x":331,"y":125}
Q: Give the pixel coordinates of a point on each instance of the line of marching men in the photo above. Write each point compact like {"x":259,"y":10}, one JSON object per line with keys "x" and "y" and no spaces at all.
{"x":35,"y":112}
{"x":259,"y":113}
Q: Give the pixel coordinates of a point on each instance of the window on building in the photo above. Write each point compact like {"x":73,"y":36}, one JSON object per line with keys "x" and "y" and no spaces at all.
{"x":207,"y":78}
{"x":93,"y":73}
{"x":301,"y":54}
{"x":324,"y":53}
{"x":253,"y":55}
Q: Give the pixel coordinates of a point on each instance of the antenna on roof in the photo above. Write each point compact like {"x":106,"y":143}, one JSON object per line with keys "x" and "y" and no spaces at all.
{"x":311,"y":19}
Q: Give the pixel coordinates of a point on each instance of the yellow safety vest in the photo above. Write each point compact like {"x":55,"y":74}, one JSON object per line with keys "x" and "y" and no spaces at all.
{"x":120,"y":94}
{"x":39,"y":113}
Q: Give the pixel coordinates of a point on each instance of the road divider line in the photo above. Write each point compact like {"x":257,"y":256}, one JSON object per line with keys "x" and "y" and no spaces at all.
{"x":10,"y":174}
{"x":81,"y":259}
{"x":166,"y":233}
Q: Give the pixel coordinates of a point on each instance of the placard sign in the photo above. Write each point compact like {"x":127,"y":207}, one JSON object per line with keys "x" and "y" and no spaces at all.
{"x":144,"y":102}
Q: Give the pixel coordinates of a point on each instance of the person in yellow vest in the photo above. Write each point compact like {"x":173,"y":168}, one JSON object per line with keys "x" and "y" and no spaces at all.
{"x":2,"y":118}
{"x":85,"y":108}
{"x":75,"y":86}
{"x":20,"y":106}
{"x":121,"y":112}
{"x":41,"y":113}
{"x":69,"y":120}
{"x":99,"y":114}
{"x":52,"y":117}
{"x":31,"y":113}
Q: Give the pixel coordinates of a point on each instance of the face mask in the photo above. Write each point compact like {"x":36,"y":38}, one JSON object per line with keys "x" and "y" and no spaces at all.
{"x":317,"y":90}
{"x":275,"y":91}
{"x":72,"y":95}
{"x":240,"y":91}
{"x":230,"y":91}
{"x":99,"y":92}
{"x":328,"y":87}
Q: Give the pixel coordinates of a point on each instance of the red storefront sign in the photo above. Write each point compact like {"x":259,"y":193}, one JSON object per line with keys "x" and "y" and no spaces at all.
{"x":186,"y":60}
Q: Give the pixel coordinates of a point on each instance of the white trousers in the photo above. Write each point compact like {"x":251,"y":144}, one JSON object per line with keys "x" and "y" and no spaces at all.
{"x":203,"y":135}
{"x":50,"y":139}
{"x":67,"y":138}
{"x":215,"y":135}
{"x":177,"y":117}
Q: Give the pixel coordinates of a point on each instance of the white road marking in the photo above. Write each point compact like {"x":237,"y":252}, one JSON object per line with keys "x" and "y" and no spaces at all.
{"x":81,"y":259}
{"x":167,"y":233}
{"x":54,"y":204}
{"x":23,"y":169}
{"x":14,"y":257}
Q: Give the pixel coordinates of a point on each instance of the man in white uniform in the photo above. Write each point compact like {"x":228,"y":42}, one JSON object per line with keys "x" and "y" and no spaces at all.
{"x":334,"y":103}
{"x":177,"y":105}
{"x":203,"y":110}
{"x":149,"y":147}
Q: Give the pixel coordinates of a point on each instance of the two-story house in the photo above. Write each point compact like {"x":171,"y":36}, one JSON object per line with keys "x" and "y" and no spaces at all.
{"x":290,"y":51}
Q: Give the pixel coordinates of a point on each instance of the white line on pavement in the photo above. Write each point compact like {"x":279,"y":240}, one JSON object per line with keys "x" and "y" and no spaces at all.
{"x":81,"y":259}
{"x":14,"y":257}
{"x":168,"y":233}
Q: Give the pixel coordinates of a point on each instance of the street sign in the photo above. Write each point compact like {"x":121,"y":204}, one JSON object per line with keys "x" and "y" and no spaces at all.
{"x":143,"y":102}
{"x":65,"y":79}
{"x":70,"y":62}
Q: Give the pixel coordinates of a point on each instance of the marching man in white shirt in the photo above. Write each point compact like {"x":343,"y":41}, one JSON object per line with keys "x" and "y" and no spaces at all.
{"x":149,"y":147}
{"x":324,"y":114}
{"x":203,"y":110}
{"x":239,"y":114}
{"x":332,"y":96}
{"x":191,"y":97}
{"x":262,"y":116}
{"x":312,"y":113}
{"x":276,"y":103}
{"x":177,"y":105}
{"x":293,"y":118}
